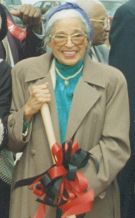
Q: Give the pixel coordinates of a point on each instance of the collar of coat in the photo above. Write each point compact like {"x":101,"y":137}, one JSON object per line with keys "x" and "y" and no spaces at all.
{"x":91,"y":72}
{"x":87,"y":92}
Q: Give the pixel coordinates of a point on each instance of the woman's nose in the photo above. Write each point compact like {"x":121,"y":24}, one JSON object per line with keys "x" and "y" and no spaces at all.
{"x":69,"y":42}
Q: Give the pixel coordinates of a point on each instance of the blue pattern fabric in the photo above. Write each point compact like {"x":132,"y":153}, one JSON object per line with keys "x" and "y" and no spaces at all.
{"x":68,"y":6}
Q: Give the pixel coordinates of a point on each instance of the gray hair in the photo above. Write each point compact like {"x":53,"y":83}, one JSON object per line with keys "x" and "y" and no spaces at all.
{"x":64,"y":14}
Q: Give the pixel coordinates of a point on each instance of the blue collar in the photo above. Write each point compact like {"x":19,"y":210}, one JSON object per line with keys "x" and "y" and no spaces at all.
{"x":67,"y":70}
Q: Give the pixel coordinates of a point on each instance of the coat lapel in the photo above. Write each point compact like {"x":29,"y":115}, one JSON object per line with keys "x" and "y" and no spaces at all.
{"x":85,"y":96}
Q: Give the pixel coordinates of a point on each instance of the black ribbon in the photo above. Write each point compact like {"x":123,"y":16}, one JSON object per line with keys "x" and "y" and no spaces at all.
{"x":71,"y":162}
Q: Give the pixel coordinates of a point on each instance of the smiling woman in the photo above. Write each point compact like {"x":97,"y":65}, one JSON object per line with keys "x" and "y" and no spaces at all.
{"x":68,"y":46}
{"x":86,"y":105}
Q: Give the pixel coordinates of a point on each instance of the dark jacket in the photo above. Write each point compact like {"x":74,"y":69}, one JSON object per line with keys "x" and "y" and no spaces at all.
{"x":122,"y":56}
{"x":20,"y":49}
{"x":122,"y":53}
{"x":5,"y":94}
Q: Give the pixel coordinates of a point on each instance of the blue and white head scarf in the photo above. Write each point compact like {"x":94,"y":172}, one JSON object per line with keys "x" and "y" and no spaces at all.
{"x":69,"y":9}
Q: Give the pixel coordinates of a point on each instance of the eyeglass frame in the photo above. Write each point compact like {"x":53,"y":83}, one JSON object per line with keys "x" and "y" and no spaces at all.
{"x":51,"y":36}
{"x":106,"y":21}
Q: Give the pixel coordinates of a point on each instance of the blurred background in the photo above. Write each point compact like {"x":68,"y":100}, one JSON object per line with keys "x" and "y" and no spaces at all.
{"x":111,"y":5}
{"x":45,"y":5}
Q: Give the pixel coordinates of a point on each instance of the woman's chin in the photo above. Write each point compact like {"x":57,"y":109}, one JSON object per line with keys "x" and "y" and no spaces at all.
{"x":69,"y":60}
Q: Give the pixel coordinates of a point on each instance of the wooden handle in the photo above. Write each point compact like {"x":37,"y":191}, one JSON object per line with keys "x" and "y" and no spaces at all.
{"x":45,"y":112}
{"x":46,"y":116}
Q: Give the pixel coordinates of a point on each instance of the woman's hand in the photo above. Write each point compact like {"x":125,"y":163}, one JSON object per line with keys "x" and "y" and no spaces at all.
{"x":39,"y":94}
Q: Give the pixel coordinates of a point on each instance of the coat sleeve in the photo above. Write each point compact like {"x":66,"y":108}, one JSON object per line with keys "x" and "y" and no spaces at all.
{"x":113,"y":149}
{"x":15,"y":119}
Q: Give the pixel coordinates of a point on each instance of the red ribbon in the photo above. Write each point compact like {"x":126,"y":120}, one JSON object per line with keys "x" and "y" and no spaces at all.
{"x":78,"y":199}
{"x":40,"y":211}
{"x":16,"y":31}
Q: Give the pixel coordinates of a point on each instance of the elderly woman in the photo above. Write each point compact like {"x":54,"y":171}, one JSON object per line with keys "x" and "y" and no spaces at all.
{"x":88,"y":102}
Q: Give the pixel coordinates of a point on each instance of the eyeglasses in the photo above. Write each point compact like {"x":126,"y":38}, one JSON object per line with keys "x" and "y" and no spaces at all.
{"x":61,"y":39}
{"x":106,"y":22}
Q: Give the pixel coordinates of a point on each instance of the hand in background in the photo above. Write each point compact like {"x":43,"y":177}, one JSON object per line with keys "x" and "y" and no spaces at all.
{"x":30,"y":15}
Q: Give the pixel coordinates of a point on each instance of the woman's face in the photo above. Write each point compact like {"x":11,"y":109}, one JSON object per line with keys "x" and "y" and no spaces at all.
{"x":68,"y":41}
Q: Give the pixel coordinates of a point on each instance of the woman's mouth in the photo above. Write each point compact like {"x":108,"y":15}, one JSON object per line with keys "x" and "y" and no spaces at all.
{"x":69,"y":54}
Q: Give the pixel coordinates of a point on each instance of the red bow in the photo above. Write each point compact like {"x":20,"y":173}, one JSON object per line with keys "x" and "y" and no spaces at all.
{"x":72,"y":195}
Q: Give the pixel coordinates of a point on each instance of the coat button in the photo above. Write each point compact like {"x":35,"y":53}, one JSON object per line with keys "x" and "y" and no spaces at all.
{"x":102,"y":195}
{"x":33,"y":152}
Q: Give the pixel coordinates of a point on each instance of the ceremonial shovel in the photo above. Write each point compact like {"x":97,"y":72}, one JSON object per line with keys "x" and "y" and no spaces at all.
{"x":62,"y":186}
{"x":49,"y":130}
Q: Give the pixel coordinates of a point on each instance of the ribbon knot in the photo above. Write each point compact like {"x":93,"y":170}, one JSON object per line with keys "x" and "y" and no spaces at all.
{"x":62,"y":185}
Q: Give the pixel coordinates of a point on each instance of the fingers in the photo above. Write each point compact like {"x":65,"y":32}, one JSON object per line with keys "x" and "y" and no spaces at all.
{"x":41,"y":97}
{"x":41,"y":93}
{"x":29,"y":14}
{"x":30,"y":11}
{"x":15,"y":12}
{"x":36,"y":88}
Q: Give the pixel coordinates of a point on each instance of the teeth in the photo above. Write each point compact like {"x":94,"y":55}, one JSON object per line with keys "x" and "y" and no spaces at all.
{"x":69,"y":53}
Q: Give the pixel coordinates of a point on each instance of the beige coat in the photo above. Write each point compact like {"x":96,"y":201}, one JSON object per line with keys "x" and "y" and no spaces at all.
{"x":99,"y":118}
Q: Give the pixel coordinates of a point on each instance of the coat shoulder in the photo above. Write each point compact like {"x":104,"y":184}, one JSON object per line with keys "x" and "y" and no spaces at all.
{"x":32,"y":67}
{"x":109,"y":73}
{"x":113,"y":74}
{"x":29,"y":62}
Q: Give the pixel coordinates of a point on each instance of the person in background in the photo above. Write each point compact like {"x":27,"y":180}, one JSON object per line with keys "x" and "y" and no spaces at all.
{"x":6,"y":157}
{"x":86,"y":104}
{"x":13,"y":48}
{"x":122,"y":56}
{"x":18,"y":43}
{"x":101,"y":25}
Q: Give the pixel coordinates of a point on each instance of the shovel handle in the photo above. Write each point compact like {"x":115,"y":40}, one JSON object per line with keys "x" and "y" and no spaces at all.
{"x":46,"y":116}
{"x":45,"y":112}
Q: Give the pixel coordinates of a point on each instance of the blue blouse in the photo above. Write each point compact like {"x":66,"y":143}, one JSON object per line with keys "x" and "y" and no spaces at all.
{"x":64,"y":93}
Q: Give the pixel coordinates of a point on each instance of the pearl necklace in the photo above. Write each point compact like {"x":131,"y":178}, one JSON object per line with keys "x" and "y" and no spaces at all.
{"x":66,"y":79}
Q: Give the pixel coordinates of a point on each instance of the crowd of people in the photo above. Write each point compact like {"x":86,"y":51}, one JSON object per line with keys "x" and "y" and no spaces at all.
{"x":89,"y":88}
